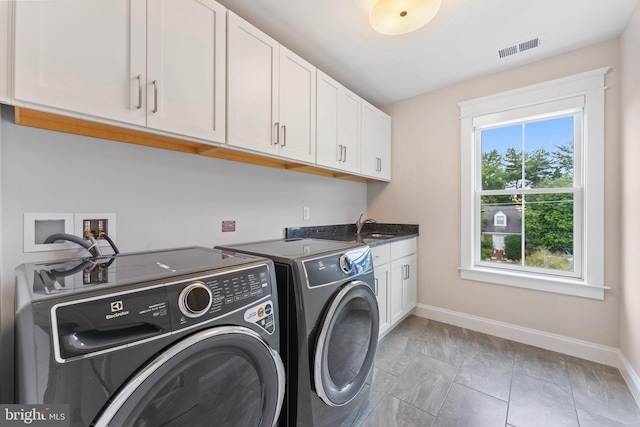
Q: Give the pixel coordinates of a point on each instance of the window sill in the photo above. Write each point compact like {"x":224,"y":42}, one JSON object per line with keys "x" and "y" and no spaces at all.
{"x":534,"y":281}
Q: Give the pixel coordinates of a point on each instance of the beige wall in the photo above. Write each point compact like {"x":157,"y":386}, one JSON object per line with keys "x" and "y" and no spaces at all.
{"x":425,"y":189}
{"x":630,"y":124}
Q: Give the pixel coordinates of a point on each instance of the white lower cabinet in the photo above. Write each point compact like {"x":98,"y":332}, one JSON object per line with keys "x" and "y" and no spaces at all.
{"x":395,"y":266}
{"x":383,"y":283}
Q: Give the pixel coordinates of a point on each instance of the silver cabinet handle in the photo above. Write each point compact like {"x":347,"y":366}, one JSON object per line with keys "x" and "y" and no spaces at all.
{"x":155,"y":96}
{"x":344,"y":159}
{"x":378,"y":164}
{"x":284,"y":136}
{"x":139,"y":77}
{"x":276,"y":133}
{"x":340,"y":154}
{"x":375,"y":282}
{"x":406,"y":273}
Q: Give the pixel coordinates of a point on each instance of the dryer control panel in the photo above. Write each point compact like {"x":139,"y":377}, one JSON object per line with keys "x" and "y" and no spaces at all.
{"x":333,"y":268}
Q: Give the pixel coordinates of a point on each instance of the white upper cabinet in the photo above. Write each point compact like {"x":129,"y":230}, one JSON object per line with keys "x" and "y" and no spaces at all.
{"x":252,"y":86}
{"x":186,"y":68}
{"x":5,"y":35}
{"x":338,"y":125}
{"x":376,"y":142}
{"x":271,"y":95}
{"x":297,"y":107}
{"x":82,"y":56}
{"x":159,"y":64}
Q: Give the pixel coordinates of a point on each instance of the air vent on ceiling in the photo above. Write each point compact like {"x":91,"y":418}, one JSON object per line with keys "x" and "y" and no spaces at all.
{"x":508,"y":51}
{"x":519,"y":47}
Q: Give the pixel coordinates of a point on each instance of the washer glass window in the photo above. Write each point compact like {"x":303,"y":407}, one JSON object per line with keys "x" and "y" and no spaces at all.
{"x":220,"y":379}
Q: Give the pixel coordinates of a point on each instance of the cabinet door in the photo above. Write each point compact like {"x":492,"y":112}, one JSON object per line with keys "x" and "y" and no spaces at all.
{"x":382,"y":142}
{"x":369,"y":149}
{"x":186,"y":68}
{"x":327,"y":150}
{"x":409,"y":284}
{"x":382,"y":280}
{"x":4,"y":50}
{"x":297,"y":107}
{"x":82,"y":56}
{"x":349,"y":129}
{"x":252,"y":87}
{"x":338,"y":125}
{"x":396,"y":287}
{"x":376,"y":142}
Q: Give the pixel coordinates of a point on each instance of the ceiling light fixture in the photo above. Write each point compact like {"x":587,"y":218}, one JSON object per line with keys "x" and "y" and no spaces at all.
{"x":395,"y":17}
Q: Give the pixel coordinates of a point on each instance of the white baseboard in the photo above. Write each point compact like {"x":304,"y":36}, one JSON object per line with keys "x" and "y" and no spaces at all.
{"x":630,"y":376}
{"x":583,"y":349}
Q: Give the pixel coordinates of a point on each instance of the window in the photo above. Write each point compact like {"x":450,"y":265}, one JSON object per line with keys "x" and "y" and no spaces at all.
{"x":533,"y":186}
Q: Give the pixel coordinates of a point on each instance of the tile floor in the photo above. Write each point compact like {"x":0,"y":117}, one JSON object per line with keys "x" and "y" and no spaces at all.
{"x":429,"y":373}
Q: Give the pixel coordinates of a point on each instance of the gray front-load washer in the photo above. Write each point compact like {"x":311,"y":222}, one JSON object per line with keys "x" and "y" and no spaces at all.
{"x":183,"y":337}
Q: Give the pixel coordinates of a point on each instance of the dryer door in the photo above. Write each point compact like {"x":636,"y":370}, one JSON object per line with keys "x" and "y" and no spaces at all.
{"x":219,"y":376}
{"x":346,"y":346}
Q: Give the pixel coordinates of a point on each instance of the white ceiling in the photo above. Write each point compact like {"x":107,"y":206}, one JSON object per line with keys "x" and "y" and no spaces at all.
{"x":459,"y":44}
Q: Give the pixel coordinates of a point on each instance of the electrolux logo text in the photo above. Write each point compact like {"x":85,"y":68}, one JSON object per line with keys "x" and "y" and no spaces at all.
{"x":34,"y":415}
{"x":117,"y":308}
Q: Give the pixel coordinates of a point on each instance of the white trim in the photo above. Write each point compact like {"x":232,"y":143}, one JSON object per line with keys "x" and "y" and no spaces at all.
{"x":605,"y":355}
{"x":630,"y":377}
{"x":565,"y":87}
{"x":589,"y":244}
{"x":559,"y":343}
{"x":541,"y":282}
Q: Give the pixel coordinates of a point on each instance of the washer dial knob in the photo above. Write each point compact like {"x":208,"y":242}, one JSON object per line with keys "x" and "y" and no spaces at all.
{"x":345,"y":264}
{"x":195,"y":300}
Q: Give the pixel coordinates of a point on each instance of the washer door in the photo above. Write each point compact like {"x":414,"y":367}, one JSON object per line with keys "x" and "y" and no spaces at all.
{"x":220,"y":376}
{"x":346,"y":345}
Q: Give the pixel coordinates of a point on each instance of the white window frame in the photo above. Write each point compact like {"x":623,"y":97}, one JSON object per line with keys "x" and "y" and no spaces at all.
{"x":586,"y":89}
{"x":500,"y":219}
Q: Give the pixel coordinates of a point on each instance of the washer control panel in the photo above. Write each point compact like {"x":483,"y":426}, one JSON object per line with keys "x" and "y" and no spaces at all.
{"x":213,"y":296}
{"x":114,"y":320}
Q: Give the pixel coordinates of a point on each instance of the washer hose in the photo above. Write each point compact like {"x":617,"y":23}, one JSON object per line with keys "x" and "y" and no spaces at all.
{"x":75,"y":239}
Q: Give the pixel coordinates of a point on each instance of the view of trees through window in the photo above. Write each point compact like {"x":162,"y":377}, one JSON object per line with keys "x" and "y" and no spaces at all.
{"x":527,"y":172}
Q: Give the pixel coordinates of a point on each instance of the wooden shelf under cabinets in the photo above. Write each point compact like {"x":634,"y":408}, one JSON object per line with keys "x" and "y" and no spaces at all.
{"x":55,"y":122}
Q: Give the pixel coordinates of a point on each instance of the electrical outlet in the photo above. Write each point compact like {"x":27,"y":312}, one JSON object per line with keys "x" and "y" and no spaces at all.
{"x":306,"y":213}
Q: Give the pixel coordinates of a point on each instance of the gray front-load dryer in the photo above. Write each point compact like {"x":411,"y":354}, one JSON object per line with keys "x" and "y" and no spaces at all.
{"x":330,"y":323}
{"x":183,"y":337}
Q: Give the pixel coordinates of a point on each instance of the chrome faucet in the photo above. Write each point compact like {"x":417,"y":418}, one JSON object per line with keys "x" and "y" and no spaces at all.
{"x":360,"y":223}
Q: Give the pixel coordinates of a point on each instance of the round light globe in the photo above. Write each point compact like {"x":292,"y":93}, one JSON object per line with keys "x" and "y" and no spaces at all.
{"x":395,"y":17}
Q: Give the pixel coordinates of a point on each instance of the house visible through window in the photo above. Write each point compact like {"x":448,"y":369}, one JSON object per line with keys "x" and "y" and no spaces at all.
{"x":527,"y":169}
{"x":500,"y":219}
{"x":533,"y":186}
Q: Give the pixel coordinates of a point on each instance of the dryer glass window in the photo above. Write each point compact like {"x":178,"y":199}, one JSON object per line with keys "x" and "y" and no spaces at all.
{"x":349,"y":342}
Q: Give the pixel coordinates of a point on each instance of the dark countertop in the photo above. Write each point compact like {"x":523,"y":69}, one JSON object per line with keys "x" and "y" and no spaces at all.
{"x":372,"y":234}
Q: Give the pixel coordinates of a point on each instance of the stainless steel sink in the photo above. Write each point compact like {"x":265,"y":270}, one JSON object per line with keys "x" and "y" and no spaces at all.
{"x":374,"y":237}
